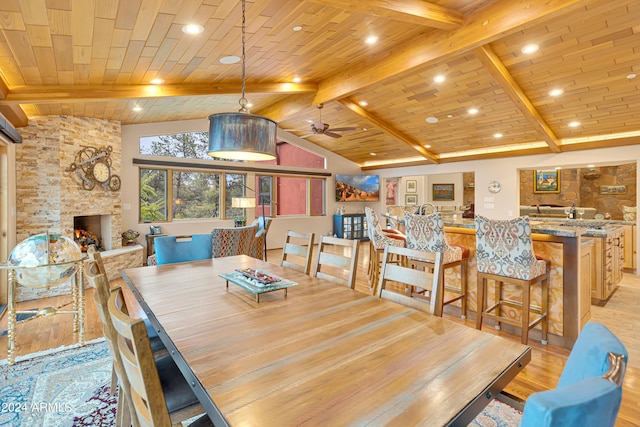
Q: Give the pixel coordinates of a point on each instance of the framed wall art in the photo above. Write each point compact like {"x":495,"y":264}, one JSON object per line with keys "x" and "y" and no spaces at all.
{"x":443,"y":192}
{"x":411,"y":199}
{"x":613,"y":189}
{"x":412,"y":186}
{"x":546,"y":181}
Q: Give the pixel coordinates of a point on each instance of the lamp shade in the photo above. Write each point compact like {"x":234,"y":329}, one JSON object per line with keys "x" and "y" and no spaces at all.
{"x":243,"y":202}
{"x":242,"y":136}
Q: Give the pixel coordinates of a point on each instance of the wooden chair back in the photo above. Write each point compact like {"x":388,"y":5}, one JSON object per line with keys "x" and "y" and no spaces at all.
{"x":401,"y":273}
{"x":99,"y":281}
{"x":139,"y":365}
{"x":339,"y":257}
{"x":300,"y":247}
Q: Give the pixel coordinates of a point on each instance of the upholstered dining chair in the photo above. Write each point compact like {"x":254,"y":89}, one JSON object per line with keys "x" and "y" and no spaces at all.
{"x":426,"y":233}
{"x":172,"y":249}
{"x":258,"y":244}
{"x":337,"y":260}
{"x":378,"y":239}
{"x":229,"y":241}
{"x":589,"y":392}
{"x":504,"y":254}
{"x":297,"y":251}
{"x":160,"y":394}
{"x":407,"y":276}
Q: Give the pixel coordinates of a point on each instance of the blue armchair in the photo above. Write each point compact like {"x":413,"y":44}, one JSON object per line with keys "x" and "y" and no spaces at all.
{"x":170,"y":249}
{"x":589,"y":391}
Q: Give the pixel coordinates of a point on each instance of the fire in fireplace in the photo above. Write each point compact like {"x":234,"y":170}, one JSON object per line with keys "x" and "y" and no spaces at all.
{"x":85,"y":238}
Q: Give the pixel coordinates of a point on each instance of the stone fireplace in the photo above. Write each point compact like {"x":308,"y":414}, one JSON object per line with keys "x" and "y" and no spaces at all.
{"x":49,"y":198}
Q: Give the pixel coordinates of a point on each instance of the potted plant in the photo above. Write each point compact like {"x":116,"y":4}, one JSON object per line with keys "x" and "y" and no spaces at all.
{"x":240,"y":220}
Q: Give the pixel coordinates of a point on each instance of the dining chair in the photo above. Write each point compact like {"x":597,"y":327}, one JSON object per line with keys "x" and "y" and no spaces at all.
{"x":339,"y":257}
{"x":172,"y":249}
{"x":378,"y":239}
{"x":229,"y":241}
{"x":297,"y":251}
{"x":160,"y":395}
{"x":258,"y":244}
{"x":504,"y":254}
{"x":402,"y":274}
{"x":426,"y":233}
{"x":589,"y":392}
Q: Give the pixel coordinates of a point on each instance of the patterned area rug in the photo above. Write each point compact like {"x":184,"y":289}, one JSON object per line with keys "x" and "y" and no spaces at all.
{"x":497,"y":414}
{"x":62,"y":387}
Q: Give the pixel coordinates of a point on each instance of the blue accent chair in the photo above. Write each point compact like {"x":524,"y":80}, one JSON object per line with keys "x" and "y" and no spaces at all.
{"x":171,"y":249}
{"x":589,"y":391}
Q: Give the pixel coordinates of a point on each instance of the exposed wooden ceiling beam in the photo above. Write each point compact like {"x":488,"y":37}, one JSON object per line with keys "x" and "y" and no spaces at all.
{"x":501,"y":18}
{"x":496,"y":68}
{"x":417,"y":12}
{"x":390,"y":130}
{"x":287,"y":107}
{"x":13,"y":113}
{"x":51,"y":94}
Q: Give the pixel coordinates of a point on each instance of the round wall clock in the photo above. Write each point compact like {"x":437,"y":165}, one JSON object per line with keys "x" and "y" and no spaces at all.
{"x":101,"y":171}
{"x":495,"y":187}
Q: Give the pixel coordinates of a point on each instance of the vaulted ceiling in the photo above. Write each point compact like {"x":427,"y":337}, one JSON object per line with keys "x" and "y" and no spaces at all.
{"x":96,"y":58}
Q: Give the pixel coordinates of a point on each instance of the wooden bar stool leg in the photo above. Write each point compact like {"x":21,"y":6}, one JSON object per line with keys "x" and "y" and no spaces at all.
{"x":498,"y":298}
{"x":526,"y":298}
{"x":463,"y":289}
{"x":545,"y":309}
{"x":482,"y":282}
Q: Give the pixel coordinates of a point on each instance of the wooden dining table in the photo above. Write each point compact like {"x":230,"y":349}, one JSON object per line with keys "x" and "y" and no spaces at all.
{"x":323,"y":355}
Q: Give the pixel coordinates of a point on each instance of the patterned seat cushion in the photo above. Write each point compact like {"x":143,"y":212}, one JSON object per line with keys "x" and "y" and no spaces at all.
{"x":378,"y":238}
{"x":426,"y":233}
{"x":505,"y":248}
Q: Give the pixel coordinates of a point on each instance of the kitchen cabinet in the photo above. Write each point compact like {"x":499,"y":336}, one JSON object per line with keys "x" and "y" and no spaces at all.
{"x":350,"y":226}
{"x":609,"y":260}
{"x":630,"y":247}
{"x":587,"y":280}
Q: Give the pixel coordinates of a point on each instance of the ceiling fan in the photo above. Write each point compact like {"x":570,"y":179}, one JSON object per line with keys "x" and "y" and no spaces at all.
{"x":320,"y":128}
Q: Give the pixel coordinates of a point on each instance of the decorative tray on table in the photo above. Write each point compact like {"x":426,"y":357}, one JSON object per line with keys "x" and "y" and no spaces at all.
{"x":257,"y":281}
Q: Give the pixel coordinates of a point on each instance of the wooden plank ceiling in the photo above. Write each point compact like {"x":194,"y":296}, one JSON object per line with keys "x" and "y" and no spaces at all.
{"x":95,"y":58}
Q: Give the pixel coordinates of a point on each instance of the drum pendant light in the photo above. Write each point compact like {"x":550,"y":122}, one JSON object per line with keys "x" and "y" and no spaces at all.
{"x":241,"y":135}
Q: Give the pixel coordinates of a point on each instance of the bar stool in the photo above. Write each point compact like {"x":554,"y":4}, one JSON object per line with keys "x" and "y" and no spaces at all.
{"x":424,"y":233}
{"x":377,"y":241}
{"x":504,"y":253}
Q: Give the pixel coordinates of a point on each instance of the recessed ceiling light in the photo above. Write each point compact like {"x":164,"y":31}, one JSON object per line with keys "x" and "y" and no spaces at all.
{"x":373,"y":154}
{"x":137,"y":108}
{"x":530,"y":48}
{"x":309,"y":121}
{"x":449,"y":116}
{"x":439,"y":78}
{"x":558,"y":168}
{"x":297,"y":79}
{"x":192,"y":29}
{"x":231,"y":59}
{"x":365,"y":129}
{"x":427,"y":146}
{"x":591,"y":166}
{"x":472,"y":111}
{"x":371,"y":40}
{"x":556,"y":92}
{"x":249,"y":105}
{"x":156,"y":81}
{"x":363,"y":103}
{"x":297,"y":28}
{"x":574,"y":124}
{"x":497,"y":135}
{"x":632,"y":76}
{"x":431,"y":120}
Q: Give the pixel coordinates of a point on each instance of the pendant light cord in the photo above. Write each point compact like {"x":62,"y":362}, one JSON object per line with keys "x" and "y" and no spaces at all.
{"x":243,"y":101}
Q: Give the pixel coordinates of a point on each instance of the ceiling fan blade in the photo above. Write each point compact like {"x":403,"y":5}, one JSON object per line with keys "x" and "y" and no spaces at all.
{"x":306,"y":136}
{"x":342,"y":129}
{"x":332,"y":135}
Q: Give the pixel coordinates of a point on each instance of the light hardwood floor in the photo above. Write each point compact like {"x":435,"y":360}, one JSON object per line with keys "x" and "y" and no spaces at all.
{"x":621,"y":314}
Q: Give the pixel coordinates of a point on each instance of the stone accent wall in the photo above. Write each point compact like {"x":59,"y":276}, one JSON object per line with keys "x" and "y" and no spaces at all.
{"x":117,"y":260}
{"x":48,"y":197}
{"x":582,"y":186}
